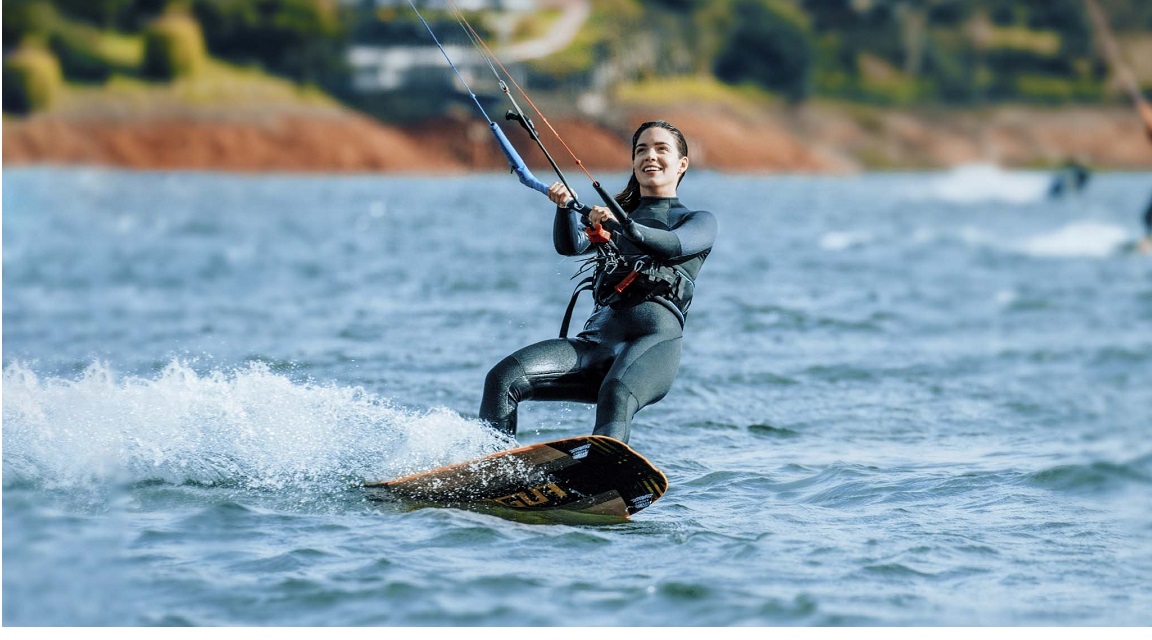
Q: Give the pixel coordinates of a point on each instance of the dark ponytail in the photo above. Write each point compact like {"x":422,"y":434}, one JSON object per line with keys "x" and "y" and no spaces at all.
{"x":629,"y":198}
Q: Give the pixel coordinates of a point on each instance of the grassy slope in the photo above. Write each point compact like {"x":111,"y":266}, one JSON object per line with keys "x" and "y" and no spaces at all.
{"x":220,"y":87}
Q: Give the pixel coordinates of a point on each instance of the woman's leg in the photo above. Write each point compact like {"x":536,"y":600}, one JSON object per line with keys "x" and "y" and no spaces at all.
{"x":555,"y":369}
{"x":642,"y":375}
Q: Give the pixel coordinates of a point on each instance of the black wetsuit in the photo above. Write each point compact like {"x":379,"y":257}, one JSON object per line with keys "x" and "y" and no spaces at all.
{"x":1148,"y":220}
{"x":629,"y":351}
{"x":1070,"y":179}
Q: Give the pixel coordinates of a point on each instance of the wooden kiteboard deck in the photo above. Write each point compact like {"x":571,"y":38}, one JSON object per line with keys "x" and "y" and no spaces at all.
{"x":589,"y":475}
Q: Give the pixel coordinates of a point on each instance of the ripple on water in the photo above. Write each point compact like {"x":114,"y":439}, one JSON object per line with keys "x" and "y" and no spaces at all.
{"x":1093,"y":477}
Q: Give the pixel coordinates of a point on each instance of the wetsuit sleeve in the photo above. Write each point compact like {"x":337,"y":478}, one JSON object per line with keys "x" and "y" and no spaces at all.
{"x":568,"y":233}
{"x":695,"y":235}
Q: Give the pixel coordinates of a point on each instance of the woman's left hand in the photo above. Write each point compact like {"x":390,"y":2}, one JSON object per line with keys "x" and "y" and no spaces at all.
{"x":599,"y":215}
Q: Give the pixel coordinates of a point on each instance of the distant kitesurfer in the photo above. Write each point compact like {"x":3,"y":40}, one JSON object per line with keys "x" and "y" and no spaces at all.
{"x":1146,"y":241}
{"x":1071,"y":178}
{"x":628,"y":353}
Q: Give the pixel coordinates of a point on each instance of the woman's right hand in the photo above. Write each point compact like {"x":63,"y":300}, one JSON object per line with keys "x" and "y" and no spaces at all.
{"x":559,"y":194}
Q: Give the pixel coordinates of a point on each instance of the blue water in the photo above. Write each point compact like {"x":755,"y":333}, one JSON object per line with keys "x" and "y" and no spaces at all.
{"x":905,"y":399}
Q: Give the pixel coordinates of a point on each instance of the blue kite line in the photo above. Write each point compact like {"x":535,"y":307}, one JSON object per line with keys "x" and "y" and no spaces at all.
{"x":515,"y":162}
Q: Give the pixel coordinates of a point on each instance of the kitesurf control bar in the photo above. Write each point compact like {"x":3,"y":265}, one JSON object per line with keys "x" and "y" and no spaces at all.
{"x":614,"y":206}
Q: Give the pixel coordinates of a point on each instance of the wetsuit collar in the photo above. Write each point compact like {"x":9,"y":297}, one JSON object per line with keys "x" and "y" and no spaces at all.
{"x":656,"y":201}
{"x":654,"y":205}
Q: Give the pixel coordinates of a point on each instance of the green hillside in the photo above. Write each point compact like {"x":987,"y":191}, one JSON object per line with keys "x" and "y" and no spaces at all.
{"x":881,"y":52}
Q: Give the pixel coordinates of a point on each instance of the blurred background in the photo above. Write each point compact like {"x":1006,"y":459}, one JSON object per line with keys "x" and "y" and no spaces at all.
{"x":775,"y":85}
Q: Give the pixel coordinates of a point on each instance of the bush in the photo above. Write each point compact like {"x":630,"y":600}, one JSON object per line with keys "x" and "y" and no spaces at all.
{"x":769,"y":44}
{"x":88,"y":54}
{"x":108,"y":14}
{"x":300,"y":39}
{"x":28,"y":18}
{"x":173,"y":47}
{"x":32,"y":80}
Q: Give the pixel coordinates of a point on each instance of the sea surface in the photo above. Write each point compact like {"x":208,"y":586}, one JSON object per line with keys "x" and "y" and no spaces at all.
{"x":905,"y":399}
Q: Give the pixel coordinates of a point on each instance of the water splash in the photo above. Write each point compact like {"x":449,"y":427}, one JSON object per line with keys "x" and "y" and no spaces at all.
{"x":984,"y":183}
{"x":1078,"y":239}
{"x":249,"y":428}
{"x":842,"y":240}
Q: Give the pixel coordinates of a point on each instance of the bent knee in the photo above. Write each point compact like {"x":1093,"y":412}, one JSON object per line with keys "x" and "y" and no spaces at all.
{"x":508,"y":381}
{"x":504,"y":373}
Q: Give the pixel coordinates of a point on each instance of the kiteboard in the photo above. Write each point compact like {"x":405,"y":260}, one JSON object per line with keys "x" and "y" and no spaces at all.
{"x":593,"y":476}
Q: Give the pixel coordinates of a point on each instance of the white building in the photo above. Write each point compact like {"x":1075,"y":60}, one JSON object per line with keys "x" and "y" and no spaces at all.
{"x":464,"y":5}
{"x":387,"y":68}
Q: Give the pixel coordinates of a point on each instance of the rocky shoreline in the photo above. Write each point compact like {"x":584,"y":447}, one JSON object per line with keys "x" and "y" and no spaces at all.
{"x":810,"y":139}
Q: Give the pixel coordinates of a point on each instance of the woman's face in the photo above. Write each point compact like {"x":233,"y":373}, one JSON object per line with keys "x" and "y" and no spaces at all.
{"x":657,"y":163}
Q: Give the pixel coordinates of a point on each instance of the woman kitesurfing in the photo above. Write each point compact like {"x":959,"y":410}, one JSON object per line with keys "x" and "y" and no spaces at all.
{"x":628,"y":353}
{"x":645,"y":249}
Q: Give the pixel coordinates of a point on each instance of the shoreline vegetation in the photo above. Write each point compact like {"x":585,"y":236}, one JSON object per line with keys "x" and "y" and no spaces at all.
{"x":314,"y":135}
{"x":157,"y":100}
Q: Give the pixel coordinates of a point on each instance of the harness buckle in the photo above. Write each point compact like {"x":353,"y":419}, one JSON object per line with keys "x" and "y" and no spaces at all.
{"x":623,"y":284}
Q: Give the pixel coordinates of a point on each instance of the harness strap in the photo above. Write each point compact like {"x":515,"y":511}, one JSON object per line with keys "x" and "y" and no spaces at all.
{"x":670,"y":299}
{"x":669,"y":305}
{"x":585,"y":285}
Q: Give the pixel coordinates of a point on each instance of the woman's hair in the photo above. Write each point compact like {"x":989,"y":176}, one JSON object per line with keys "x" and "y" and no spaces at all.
{"x":629,"y":198}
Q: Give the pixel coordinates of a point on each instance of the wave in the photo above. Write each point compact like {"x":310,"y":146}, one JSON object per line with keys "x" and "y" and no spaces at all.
{"x":843,"y":240}
{"x":1093,"y":477}
{"x":249,"y":428}
{"x":1078,"y":239}
{"x":974,"y":183}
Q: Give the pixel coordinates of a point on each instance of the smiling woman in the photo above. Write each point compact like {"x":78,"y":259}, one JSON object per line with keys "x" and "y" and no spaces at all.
{"x":644,"y":269}
{"x":659,"y":161}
